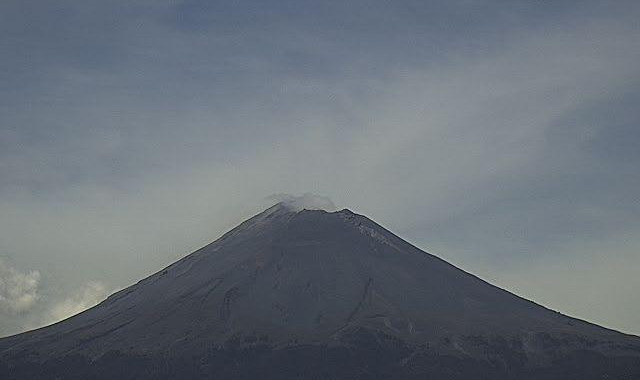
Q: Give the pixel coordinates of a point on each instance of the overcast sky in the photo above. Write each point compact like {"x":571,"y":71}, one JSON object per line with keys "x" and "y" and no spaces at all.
{"x":499,"y":135}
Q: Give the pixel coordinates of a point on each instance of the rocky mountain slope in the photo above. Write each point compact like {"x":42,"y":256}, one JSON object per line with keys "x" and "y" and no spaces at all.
{"x":314,"y":294}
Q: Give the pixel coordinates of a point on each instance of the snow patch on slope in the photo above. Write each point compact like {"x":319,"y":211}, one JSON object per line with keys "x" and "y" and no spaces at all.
{"x":354,"y":219}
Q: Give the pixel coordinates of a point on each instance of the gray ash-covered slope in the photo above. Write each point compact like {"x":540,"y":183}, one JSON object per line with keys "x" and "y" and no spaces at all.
{"x":315,"y":294}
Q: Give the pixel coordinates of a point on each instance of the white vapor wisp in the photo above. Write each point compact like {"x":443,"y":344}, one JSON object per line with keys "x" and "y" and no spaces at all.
{"x":306,"y":201}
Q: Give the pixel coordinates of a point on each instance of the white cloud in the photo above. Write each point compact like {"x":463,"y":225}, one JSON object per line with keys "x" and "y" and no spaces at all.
{"x":26,"y":304}
{"x":18,"y":290}
{"x":90,"y":295}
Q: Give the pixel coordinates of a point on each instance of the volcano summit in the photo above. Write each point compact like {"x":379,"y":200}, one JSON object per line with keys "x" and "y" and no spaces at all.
{"x":311,"y":294}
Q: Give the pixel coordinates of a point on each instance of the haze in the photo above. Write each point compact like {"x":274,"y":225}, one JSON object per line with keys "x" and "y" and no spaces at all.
{"x":500,"y":136}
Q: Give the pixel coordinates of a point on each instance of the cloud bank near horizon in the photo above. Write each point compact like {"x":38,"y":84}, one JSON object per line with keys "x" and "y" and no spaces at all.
{"x":18,"y":290}
{"x":25,"y":305}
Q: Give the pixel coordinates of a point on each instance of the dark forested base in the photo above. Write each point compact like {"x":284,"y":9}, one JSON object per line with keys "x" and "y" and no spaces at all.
{"x":319,"y":362}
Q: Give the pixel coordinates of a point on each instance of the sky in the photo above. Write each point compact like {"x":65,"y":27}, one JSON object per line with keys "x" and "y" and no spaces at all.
{"x":499,"y":135}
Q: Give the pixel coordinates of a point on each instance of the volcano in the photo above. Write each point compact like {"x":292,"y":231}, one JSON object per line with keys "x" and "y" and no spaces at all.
{"x":311,"y":294}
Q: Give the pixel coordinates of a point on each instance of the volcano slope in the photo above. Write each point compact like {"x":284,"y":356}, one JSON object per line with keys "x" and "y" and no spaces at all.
{"x":317,"y":295}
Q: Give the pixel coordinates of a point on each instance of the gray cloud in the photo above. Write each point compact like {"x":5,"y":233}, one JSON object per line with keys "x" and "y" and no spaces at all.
{"x":499,"y":136}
